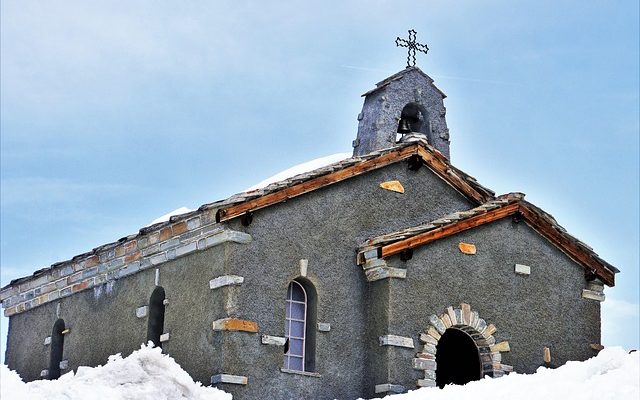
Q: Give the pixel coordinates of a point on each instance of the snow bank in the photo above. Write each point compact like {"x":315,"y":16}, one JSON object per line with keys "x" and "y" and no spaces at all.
{"x":301,"y":169}
{"x":612,"y":375}
{"x":146,"y":374}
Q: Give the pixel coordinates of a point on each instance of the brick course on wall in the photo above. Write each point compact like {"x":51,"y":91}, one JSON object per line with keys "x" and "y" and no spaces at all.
{"x":117,"y":260}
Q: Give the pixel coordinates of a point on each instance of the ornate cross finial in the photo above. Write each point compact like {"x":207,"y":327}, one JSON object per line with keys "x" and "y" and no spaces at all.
{"x":413,"y":46}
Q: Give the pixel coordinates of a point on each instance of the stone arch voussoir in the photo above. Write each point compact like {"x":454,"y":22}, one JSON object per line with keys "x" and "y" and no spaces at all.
{"x":468,"y":321}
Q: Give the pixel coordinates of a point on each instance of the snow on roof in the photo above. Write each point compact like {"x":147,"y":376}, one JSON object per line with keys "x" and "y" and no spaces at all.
{"x":165,"y":217}
{"x":300,"y":169}
{"x":280,"y":176}
{"x":147,"y":374}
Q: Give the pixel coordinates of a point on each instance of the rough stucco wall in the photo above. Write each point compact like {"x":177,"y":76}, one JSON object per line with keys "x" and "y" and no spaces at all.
{"x":530,"y":312}
{"x":381,"y":111}
{"x":103,"y":320}
{"x":324,"y":227}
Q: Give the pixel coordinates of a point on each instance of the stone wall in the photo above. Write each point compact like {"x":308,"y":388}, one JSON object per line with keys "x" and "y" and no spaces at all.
{"x":544,"y":308}
{"x":224,"y":298}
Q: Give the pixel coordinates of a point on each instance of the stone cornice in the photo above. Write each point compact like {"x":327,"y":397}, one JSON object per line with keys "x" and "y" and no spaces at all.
{"x":116,"y":261}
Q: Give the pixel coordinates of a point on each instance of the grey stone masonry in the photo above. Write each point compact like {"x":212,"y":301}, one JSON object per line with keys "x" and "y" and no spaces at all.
{"x":378,"y":121}
{"x":118,"y":260}
{"x":227,"y":378}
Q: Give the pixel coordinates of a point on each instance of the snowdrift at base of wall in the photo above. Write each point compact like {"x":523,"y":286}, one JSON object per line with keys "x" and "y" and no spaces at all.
{"x":147,"y":374}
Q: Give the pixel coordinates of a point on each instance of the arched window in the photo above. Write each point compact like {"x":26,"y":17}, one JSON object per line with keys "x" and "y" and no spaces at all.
{"x":300,"y":321}
{"x":57,"y":347}
{"x":155,"y":324}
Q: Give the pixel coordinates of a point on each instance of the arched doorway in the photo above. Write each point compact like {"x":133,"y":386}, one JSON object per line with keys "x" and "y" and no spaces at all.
{"x":458,"y":359}
{"x":458,"y":347}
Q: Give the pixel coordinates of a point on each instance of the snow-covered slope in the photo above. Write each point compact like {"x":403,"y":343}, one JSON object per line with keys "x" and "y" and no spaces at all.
{"x":147,"y":374}
{"x":612,"y":375}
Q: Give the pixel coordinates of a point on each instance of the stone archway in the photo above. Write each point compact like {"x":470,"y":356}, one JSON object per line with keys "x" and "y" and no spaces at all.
{"x":465,"y":320}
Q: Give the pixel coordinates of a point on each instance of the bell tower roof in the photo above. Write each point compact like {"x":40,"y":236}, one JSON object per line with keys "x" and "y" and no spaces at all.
{"x":407,"y":102}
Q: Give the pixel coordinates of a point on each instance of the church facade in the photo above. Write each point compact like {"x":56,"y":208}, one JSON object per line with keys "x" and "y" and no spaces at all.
{"x":381,"y":273}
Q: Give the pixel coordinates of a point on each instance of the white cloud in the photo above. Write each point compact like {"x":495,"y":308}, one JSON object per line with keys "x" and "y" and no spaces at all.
{"x":620,"y":323}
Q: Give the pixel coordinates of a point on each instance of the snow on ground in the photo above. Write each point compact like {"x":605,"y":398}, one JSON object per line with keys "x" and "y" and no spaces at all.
{"x":301,"y":169}
{"x":147,"y":374}
{"x":612,"y":375}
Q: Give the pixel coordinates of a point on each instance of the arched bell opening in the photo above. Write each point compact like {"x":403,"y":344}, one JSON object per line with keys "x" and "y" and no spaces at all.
{"x":413,"y":118}
{"x":457,"y":358}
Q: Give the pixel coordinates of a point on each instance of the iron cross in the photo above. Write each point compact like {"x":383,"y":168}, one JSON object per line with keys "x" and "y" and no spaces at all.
{"x":413,"y":46}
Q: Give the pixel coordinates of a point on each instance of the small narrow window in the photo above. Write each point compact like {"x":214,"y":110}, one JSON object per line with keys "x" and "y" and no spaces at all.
{"x":155,"y":325}
{"x":299,"y":326}
{"x":57,"y":347}
{"x":296,"y":324}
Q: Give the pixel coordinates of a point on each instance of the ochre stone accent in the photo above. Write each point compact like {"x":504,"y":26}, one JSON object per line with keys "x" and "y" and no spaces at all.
{"x":233,"y":324}
{"x":394,"y":186}
{"x":179,"y":228}
{"x":467,"y":248}
{"x":490,"y":330}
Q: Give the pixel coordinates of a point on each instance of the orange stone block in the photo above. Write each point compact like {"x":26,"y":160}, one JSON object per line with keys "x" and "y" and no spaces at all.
{"x":132,"y":257}
{"x":394,"y":186}
{"x":165,"y":233}
{"x":91,"y":261}
{"x":179,"y":228}
{"x":130,"y":246}
{"x":467,"y":248}
{"x":240,"y":325}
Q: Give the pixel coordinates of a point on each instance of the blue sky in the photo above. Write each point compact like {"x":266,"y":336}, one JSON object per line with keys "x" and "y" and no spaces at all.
{"x":116,"y":112}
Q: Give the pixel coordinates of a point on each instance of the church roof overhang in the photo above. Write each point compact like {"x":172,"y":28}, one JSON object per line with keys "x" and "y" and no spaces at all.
{"x":298,"y":185}
{"x":512,"y":204}
{"x":209,"y":216}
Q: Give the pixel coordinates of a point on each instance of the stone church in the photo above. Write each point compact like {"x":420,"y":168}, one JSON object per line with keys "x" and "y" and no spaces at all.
{"x":384,"y":272}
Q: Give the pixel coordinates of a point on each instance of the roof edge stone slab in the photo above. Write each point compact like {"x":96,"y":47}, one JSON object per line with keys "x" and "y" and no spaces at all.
{"x":127,"y":259}
{"x":512,"y":204}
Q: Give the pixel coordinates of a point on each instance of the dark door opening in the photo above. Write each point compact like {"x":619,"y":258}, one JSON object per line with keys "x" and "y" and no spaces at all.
{"x":155,"y":325}
{"x":57,"y":347}
{"x":457,"y":358}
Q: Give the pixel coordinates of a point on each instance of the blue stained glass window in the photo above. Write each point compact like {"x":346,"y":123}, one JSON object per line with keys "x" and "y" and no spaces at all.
{"x":295,"y":326}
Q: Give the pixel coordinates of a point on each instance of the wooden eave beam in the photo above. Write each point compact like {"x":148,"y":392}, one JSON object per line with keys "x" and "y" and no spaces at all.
{"x":448,"y":230}
{"x":538,"y":223}
{"x":285,"y":194}
{"x":441,"y":168}
{"x":435,"y":162}
{"x":567,"y":246}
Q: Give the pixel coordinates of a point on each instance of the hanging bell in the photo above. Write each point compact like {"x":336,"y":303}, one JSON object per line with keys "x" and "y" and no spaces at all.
{"x":403,"y":126}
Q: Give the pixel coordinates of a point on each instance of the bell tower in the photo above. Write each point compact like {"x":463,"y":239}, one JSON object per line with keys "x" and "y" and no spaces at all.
{"x":405,"y":105}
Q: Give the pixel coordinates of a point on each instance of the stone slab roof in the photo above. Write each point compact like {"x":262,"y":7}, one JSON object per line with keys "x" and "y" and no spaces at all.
{"x":511,"y":204}
{"x":202,"y":228}
{"x":399,"y":75}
